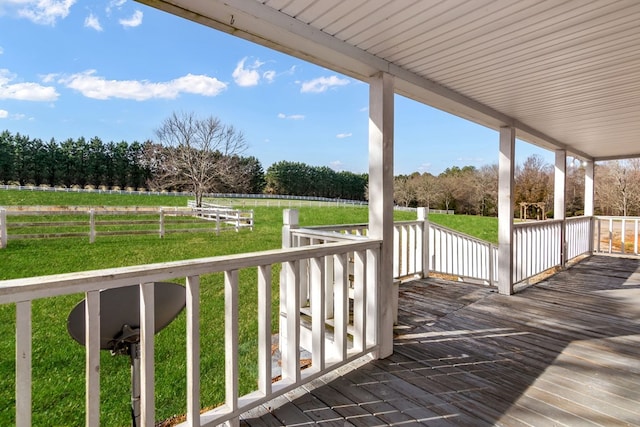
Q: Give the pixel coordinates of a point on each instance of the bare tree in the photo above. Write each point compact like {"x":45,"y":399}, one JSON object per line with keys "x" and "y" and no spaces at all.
{"x":200,"y":154}
{"x":427,"y":190}
{"x":618,"y":186}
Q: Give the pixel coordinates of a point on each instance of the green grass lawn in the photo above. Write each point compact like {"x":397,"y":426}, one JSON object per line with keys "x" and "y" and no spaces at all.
{"x":482,"y":227}
{"x":58,"y":361}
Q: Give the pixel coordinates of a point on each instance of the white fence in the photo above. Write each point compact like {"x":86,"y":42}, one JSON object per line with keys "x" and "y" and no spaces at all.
{"x":329,"y":352}
{"x":260,"y":199}
{"x":159,"y":221}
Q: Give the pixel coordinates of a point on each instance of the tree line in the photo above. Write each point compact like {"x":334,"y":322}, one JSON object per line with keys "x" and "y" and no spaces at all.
{"x":474,"y":191}
{"x":194,"y":155}
{"x":206,"y":156}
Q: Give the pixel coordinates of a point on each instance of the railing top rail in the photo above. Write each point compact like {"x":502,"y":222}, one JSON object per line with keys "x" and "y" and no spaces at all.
{"x":461,"y":234}
{"x":617,"y":218}
{"x":534,"y":224}
{"x":579,"y":218}
{"x":30,"y":288}
{"x":338,"y":227}
{"x":328,"y":235}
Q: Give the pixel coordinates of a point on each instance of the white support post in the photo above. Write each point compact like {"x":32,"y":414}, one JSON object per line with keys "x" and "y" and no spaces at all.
{"x":559,"y":188}
{"x":505,"y":210}
{"x":381,"y":104}
{"x":588,"y":188}
{"x":589,"y":191}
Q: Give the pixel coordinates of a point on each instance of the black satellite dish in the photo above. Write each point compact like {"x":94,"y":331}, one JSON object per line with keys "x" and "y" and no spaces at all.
{"x":120,"y":325}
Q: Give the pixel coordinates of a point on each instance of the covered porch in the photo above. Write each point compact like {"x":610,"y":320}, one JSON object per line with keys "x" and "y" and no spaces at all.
{"x":563,"y":76}
{"x":561,"y":352}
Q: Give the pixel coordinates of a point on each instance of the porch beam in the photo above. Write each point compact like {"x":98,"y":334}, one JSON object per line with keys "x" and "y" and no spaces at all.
{"x":381,"y":92}
{"x":506,"y":168}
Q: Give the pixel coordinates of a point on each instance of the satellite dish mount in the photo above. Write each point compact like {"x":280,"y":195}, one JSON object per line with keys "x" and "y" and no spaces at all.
{"x":120,"y":325}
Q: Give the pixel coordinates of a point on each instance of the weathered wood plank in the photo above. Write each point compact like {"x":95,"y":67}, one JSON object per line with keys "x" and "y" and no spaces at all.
{"x":563,"y":352}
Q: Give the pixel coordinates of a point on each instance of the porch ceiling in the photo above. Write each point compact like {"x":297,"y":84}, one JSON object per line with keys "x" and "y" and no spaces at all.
{"x":566,"y":74}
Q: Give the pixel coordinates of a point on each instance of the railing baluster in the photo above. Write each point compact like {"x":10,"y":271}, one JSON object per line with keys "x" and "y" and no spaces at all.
{"x":23,"y":364}
{"x":92,"y":358}
{"x":341,"y":315}
{"x":317,"y":283}
{"x":147,"y":375}
{"x":193,"y":349}
{"x":359,"y":300}
{"x":231,"y":338}
{"x":291,"y":352}
{"x":264,"y":329}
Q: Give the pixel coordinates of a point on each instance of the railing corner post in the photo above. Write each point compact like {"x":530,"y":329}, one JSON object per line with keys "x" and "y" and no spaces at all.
{"x":289,"y":222}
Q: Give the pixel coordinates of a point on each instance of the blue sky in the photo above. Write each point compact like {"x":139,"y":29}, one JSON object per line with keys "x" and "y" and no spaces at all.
{"x":117,"y":69}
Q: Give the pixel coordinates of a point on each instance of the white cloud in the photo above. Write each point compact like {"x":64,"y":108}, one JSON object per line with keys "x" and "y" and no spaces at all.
{"x":93,"y":22}
{"x":4,"y":114}
{"x":291,"y":116}
{"x":97,"y":87}
{"x":344,"y":135}
{"x":134,"y":21}
{"x":24,"y":91}
{"x":322,"y":84}
{"x":337,"y":165}
{"x":425,"y":167}
{"x":249,"y":76}
{"x":1,"y":50}
{"x":117,"y":4}
{"x":269,"y":76}
{"x":44,"y":12}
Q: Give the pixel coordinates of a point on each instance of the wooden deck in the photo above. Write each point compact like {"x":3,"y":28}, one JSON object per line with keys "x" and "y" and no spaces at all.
{"x":563,"y":352}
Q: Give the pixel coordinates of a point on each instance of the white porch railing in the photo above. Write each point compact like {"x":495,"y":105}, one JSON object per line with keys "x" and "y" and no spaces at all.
{"x":536,"y":248}
{"x":328,"y":353}
{"x":542,"y":245}
{"x":420,"y":247}
{"x":458,"y":254}
{"x":616,"y":235}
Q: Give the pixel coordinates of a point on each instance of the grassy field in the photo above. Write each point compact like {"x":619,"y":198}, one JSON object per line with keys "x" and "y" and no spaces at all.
{"x":58,"y":362}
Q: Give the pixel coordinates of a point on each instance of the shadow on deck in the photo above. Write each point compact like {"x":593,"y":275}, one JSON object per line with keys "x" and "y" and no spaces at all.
{"x":563,"y":352}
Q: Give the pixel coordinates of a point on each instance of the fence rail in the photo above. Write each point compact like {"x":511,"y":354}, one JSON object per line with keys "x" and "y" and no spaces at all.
{"x":68,"y":222}
{"x":145,"y":192}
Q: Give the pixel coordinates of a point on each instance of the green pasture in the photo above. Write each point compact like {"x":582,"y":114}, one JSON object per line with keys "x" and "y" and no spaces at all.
{"x":58,"y":361}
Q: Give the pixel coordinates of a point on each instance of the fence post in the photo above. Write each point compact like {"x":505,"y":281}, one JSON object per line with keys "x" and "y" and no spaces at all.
{"x":3,"y":228}
{"x":92,"y":226}
{"x":161,"y":223}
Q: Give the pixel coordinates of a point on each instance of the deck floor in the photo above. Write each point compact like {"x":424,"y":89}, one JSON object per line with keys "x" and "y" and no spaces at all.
{"x":563,"y":352}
